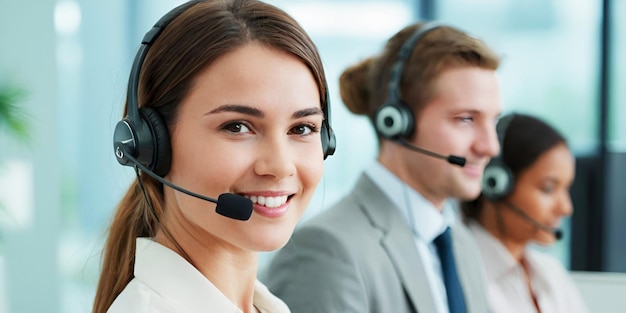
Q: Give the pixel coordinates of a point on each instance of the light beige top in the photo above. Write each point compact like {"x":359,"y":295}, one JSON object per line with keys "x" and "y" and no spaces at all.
{"x":165,"y":282}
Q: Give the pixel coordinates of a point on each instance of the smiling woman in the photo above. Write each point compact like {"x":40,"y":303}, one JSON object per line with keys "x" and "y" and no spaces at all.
{"x":239,"y":109}
{"x":246,"y":114}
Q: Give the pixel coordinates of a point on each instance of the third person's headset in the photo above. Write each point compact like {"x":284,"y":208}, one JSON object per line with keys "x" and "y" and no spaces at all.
{"x":498,"y":179}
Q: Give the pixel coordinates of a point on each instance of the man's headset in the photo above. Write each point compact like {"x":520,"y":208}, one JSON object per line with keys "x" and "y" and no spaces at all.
{"x":394,"y":119}
{"x":144,"y":132}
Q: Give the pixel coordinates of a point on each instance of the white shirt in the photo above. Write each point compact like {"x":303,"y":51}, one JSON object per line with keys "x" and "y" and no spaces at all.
{"x":165,"y":282}
{"x":507,"y":290}
{"x":426,"y":223}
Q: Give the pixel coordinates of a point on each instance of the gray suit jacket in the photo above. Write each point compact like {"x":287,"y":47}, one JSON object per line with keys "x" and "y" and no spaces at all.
{"x":360,"y":256}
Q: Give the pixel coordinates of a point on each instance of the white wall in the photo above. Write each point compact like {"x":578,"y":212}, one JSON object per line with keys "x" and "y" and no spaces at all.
{"x":603,"y":292}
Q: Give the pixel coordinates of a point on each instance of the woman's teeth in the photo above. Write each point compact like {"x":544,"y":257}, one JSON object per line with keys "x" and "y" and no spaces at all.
{"x":270,"y":202}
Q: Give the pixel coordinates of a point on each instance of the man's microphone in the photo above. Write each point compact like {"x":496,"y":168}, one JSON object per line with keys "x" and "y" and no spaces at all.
{"x":228,"y":204}
{"x":558,"y":234}
{"x":452,"y":159}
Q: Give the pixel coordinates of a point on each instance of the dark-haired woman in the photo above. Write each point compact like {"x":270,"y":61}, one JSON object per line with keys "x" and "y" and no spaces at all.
{"x":525,"y":196}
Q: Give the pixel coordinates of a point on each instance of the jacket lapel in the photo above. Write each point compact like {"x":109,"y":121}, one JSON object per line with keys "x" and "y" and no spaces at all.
{"x":398,"y":242}
{"x":469,"y":267}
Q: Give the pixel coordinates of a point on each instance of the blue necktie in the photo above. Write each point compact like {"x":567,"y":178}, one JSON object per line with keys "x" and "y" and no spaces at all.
{"x":456,"y":301}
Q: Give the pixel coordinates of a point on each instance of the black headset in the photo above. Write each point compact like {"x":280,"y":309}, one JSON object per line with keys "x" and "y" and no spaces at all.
{"x":498,"y":179}
{"x":394,"y":119}
{"x":144,"y":131}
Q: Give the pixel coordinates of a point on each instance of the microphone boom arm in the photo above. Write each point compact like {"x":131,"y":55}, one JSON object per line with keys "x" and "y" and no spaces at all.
{"x":452,"y":159}
{"x":558,"y":234}
{"x":228,"y":204}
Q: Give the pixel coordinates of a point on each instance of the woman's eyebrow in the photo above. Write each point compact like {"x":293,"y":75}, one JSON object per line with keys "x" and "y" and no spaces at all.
{"x":307,"y":112}
{"x":243,"y":109}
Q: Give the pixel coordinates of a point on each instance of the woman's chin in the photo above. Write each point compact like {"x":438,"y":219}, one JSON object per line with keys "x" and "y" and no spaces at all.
{"x":271,"y":243}
{"x":545,"y":241}
{"x":271,"y":246}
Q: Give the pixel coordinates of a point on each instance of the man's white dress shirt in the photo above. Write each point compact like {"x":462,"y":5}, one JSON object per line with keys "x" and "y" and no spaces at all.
{"x":426,"y":223}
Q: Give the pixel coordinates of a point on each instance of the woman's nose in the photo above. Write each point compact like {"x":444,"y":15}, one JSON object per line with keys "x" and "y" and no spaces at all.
{"x":275,"y":158}
{"x":566,"y":207}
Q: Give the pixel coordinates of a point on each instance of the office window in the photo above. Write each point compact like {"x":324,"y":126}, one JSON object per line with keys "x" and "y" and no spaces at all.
{"x":617,"y":111}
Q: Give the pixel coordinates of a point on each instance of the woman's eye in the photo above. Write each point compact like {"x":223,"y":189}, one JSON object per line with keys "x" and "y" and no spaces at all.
{"x":303,"y":130}
{"x":236,"y":127}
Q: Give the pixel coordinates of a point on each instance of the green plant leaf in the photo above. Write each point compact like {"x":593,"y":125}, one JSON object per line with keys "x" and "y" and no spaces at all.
{"x":12,"y":117}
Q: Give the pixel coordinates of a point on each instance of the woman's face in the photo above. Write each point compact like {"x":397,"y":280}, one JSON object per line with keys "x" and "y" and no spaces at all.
{"x":250,"y":126}
{"x":542,"y":192}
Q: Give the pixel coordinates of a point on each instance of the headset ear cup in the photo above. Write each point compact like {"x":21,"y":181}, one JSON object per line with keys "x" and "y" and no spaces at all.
{"x":393,"y":121}
{"x":328,"y":140}
{"x":162,"y":155}
{"x":497,"y":180}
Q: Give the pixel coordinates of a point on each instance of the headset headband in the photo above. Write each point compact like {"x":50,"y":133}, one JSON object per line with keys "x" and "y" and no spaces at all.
{"x":397,"y":68}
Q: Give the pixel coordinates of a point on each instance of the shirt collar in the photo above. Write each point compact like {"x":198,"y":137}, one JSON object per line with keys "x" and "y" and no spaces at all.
{"x":425,"y":219}
{"x":497,"y":259}
{"x":266,"y":302}
{"x":181,"y":284}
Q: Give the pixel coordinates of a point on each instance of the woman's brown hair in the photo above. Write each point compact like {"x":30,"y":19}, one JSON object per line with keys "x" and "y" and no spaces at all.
{"x":364,"y":86}
{"x":187,"y":46}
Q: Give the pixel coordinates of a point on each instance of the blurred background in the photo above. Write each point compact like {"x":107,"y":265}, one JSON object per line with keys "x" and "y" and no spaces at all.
{"x":64,"y":67}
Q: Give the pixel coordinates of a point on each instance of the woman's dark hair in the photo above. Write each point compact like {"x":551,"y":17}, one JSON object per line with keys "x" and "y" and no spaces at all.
{"x":523,"y":141}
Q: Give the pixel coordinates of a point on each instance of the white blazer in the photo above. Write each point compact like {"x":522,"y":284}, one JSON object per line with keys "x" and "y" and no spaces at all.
{"x":165,"y":282}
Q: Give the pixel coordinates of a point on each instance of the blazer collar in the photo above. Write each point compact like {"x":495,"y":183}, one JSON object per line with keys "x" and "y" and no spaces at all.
{"x":397,"y":240}
{"x":177,"y":281}
{"x":183,"y":286}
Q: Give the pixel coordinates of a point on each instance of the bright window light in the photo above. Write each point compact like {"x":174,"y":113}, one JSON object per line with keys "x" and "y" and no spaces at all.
{"x":67,"y":17}
{"x":345,"y":19}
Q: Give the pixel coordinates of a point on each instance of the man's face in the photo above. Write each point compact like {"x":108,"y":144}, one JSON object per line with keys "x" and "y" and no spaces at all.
{"x":458,"y":120}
